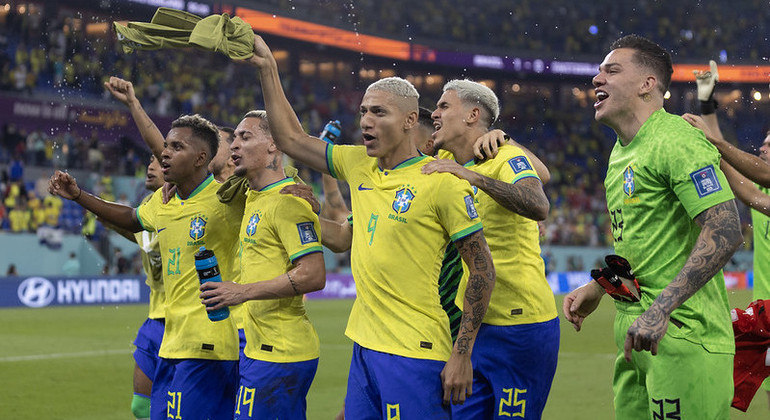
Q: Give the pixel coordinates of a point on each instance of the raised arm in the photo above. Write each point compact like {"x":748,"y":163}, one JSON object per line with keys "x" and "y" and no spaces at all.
{"x":285,"y":127}
{"x":337,"y":236}
{"x":335,"y":207}
{"x":123,"y":91}
{"x":751,"y":166}
{"x":308,"y":275}
{"x":719,"y":238}
{"x":457,"y":376}
{"x":745,"y":190}
{"x":525,"y":197}
{"x":65,"y":186}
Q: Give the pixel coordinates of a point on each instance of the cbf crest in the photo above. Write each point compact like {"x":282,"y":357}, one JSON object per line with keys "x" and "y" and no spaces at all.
{"x":251,"y":227}
{"x":629,"y":185}
{"x":197,"y":227}
{"x":403,"y":200}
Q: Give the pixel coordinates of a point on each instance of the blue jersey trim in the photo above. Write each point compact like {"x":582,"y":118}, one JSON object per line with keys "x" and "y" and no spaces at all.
{"x":276,"y":183}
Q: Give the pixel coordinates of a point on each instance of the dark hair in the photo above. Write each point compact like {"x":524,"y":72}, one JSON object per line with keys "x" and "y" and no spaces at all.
{"x":650,"y":55}
{"x":424,"y":117}
{"x":202,"y":129}
{"x":230,"y":132}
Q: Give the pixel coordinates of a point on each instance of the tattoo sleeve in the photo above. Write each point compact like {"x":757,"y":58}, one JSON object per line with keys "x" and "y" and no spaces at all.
{"x":526,"y":197}
{"x":719,"y":238}
{"x":475,"y":252}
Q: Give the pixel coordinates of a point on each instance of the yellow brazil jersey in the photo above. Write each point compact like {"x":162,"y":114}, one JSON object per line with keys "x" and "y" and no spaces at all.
{"x":183,"y":226}
{"x":404,"y":221}
{"x":521,"y":294}
{"x":276,"y":230}
{"x":233,"y":193}
{"x":152,"y":264}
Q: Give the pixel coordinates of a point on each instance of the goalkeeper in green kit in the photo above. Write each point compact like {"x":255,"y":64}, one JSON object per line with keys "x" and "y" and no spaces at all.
{"x":674,"y":220}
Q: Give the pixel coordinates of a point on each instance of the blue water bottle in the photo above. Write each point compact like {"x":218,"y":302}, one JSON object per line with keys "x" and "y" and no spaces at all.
{"x":208,"y":270}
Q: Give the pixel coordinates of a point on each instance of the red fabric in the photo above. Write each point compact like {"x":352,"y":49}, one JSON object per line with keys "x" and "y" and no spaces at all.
{"x":752,"y":343}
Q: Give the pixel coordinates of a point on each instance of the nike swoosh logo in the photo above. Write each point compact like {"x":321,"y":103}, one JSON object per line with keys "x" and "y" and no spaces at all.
{"x":362,"y":188}
{"x":159,"y":230}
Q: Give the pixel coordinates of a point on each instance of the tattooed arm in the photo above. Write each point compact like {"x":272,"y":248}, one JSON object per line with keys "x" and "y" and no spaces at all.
{"x":457,"y":375}
{"x":526,"y":197}
{"x":719,"y":238}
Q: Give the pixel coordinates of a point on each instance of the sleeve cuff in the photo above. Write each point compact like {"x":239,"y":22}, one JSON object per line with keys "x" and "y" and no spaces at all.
{"x":467,"y":231}
{"x":304,"y":252}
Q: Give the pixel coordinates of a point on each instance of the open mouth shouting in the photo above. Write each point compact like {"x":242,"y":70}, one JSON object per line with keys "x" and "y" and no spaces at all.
{"x":600,"y":97}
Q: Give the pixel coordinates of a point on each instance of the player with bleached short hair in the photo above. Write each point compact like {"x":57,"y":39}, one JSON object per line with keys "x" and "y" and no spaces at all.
{"x":403,"y":357}
{"x":518,"y":343}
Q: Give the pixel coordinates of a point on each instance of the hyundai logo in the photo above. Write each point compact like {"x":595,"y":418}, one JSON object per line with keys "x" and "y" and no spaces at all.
{"x":36,"y":292}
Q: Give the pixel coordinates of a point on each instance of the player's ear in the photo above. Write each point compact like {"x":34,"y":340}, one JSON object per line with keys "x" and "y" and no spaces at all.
{"x":202,"y":157}
{"x":473,"y":116}
{"x":411,"y":120}
{"x":649,"y":85}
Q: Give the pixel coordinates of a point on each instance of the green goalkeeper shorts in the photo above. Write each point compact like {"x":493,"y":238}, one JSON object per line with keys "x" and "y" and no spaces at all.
{"x":683,"y":381}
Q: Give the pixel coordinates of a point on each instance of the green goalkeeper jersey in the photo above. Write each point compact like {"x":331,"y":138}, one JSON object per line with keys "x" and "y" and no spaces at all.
{"x":656,"y":186}
{"x":761,"y":252}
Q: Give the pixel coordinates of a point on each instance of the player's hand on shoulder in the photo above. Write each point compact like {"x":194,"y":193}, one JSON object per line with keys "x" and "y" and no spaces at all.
{"x":168,"y":190}
{"x":697,"y":122}
{"x":304,"y":192}
{"x":486,"y":146}
{"x":448,"y":166}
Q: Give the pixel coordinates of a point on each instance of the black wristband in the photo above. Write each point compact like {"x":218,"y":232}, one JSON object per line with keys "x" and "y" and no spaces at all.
{"x":80,"y":192}
{"x":708,"y":107}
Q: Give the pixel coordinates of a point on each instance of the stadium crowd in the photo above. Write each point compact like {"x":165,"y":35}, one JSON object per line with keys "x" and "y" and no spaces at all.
{"x":670,"y":173}
{"x":57,"y":57}
{"x":522,"y":26}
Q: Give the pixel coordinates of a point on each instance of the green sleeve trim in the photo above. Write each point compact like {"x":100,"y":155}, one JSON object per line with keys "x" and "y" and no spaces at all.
{"x":305,"y":252}
{"x":522,"y":176}
{"x":136,"y":212}
{"x":330,"y":160}
{"x":350,"y":219}
{"x":467,"y":231}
